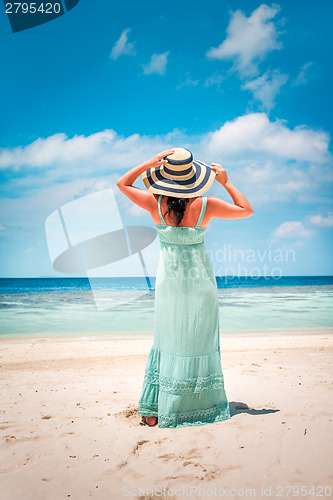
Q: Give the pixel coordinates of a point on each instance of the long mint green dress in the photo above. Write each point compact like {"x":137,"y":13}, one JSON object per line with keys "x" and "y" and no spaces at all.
{"x":183,"y":382}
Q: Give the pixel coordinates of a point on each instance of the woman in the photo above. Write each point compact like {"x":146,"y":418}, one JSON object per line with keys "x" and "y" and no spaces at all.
{"x":183,"y":383}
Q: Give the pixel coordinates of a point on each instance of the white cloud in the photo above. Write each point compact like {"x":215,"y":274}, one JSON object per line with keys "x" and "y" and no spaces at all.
{"x":157,"y":64}
{"x":55,"y":149}
{"x":254,"y":134}
{"x":269,"y":181}
{"x":122,"y":46}
{"x":266,"y":87}
{"x":188,"y":82}
{"x":302,"y":77}
{"x":249,"y":39}
{"x":215,"y":79}
{"x":271,"y":162}
{"x":300,"y":229}
{"x":322,"y":221}
{"x":292,"y":229}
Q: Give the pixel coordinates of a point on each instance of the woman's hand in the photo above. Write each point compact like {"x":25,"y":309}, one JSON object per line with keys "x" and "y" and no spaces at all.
{"x":158,"y":159}
{"x":221,"y":174}
{"x":129,"y":177}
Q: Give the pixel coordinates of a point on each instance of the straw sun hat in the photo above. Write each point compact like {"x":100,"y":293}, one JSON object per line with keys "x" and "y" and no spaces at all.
{"x":181,"y":177}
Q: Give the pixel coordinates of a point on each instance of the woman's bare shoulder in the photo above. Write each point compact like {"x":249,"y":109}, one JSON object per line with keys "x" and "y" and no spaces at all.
{"x":220,"y":209}
{"x":212,"y":201}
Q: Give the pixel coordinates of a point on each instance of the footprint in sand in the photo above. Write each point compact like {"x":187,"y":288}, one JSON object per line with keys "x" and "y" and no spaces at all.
{"x":10,"y":439}
{"x":138,"y":444}
{"x":129,"y":415}
{"x":161,"y":456}
{"x":196,"y":471}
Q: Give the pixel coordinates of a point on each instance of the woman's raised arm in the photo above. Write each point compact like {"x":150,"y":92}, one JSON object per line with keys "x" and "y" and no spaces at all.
{"x":222,"y":209}
{"x":140,"y":197}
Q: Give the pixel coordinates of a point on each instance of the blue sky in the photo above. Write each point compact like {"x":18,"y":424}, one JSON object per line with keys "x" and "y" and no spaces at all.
{"x":244,"y":83}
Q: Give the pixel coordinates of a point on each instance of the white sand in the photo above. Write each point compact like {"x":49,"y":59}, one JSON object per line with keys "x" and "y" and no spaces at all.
{"x":69,"y":427}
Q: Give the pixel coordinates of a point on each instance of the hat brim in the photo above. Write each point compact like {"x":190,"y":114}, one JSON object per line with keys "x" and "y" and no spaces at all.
{"x":199,"y":183}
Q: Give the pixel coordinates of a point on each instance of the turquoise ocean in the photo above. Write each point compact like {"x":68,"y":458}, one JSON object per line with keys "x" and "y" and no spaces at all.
{"x":73,"y":307}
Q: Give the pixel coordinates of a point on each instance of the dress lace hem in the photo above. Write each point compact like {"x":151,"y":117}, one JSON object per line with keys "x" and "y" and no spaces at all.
{"x":170,"y":397}
{"x":173,"y":420}
{"x":192,"y":384}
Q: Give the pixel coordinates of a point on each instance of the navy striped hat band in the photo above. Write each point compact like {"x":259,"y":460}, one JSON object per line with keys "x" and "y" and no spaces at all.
{"x":181,"y":177}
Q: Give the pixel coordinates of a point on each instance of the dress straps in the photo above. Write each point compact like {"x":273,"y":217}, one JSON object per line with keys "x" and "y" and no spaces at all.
{"x":202,"y":211}
{"x":160,"y":212}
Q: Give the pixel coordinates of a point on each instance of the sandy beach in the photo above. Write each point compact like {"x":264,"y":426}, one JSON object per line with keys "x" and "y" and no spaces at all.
{"x":69,"y":427}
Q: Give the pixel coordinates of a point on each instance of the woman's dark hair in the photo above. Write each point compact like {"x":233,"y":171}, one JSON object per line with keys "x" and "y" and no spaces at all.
{"x":178,"y":206}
